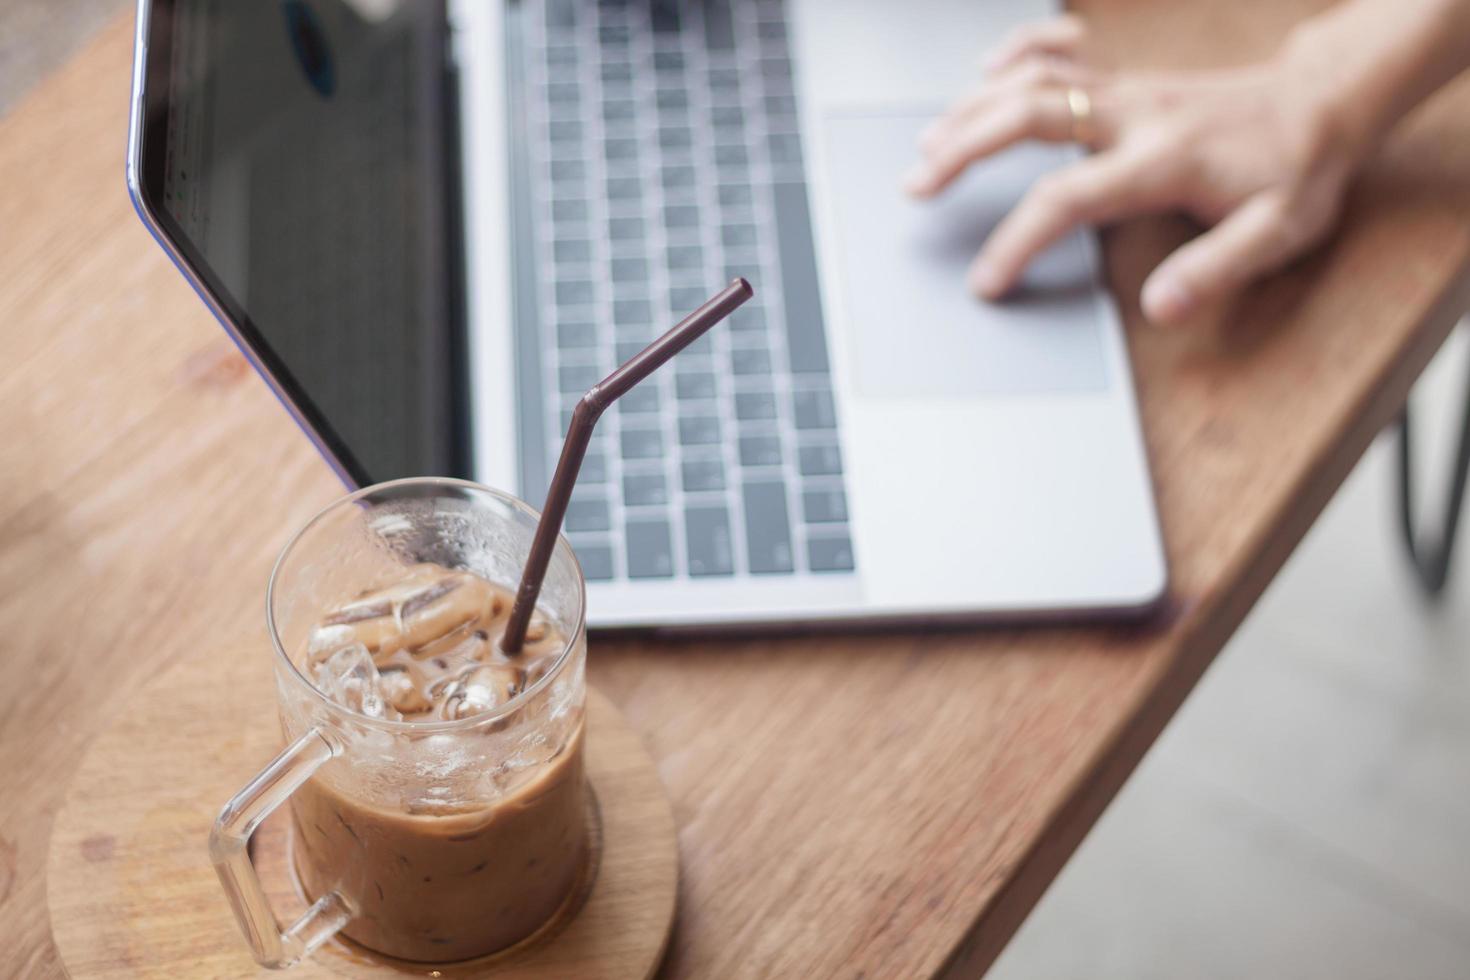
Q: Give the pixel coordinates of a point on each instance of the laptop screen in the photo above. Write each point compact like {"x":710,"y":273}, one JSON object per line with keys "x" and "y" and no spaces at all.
{"x":300,"y":153}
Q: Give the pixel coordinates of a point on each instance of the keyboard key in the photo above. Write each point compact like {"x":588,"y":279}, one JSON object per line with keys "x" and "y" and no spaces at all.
{"x":625,"y":229}
{"x":691,"y":385}
{"x":749,"y":362}
{"x":617,"y":72}
{"x":780,"y":105}
{"x":569,"y":172}
{"x":561,"y":58}
{"x":785,"y":149}
{"x":650,"y":549}
{"x":571,"y":250}
{"x":748,"y":319}
{"x":719,"y":26}
{"x":724,"y":82}
{"x":573,"y":379}
{"x":613,"y":34}
{"x":574,"y":333}
{"x":829,"y":554}
{"x":732,"y":157}
{"x":666,"y":60}
{"x":641,"y":400}
{"x":703,"y":474}
{"x":645,"y":489}
{"x":819,"y":460}
{"x":618,"y":150}
{"x":641,"y":443}
{"x":625,"y":350}
{"x":753,"y":405}
{"x":775,"y":70}
{"x":670,"y":99}
{"x":562,"y":93}
{"x":675,"y":138}
{"x":699,"y":430}
{"x":681,"y":216}
{"x":594,"y":468}
{"x":707,"y":531}
{"x":738,"y":236}
{"x":632,"y":312}
{"x":760,"y":450}
{"x":619,"y":111}
{"x":771,"y":30}
{"x":574,"y":293}
{"x":678,"y":178}
{"x":686,"y":257}
{"x":692,"y":279}
{"x":588,"y":514}
{"x":727,"y":116}
{"x":735,"y":196}
{"x":805,"y":340}
{"x":564,"y":131}
{"x":596,"y":561}
{"x":624,"y":189}
{"x":561,"y":13}
{"x":824,"y":506}
{"x":767,"y":529}
{"x":568,"y":210}
{"x":629,"y":270}
{"x":685,"y":299}
{"x":814,"y":410}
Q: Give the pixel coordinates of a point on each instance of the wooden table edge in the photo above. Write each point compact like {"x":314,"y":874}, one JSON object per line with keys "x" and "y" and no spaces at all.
{"x":1206,"y":629}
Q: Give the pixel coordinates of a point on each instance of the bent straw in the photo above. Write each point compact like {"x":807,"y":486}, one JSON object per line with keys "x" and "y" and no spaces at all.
{"x":589,"y":409}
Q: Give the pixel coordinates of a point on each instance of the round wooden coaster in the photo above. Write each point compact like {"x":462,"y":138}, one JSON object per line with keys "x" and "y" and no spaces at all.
{"x":132,"y":893}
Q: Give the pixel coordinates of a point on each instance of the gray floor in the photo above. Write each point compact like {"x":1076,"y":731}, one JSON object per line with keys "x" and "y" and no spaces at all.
{"x":1308,"y":812}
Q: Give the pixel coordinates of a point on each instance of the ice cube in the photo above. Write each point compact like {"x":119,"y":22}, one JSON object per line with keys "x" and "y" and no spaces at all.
{"x":534,"y":748}
{"x":350,"y":678}
{"x":482,"y":689}
{"x":425,"y":608}
{"x":403,"y":691}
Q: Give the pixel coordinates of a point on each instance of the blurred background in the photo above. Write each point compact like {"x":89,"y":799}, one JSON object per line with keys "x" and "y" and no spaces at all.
{"x":1307,"y":814}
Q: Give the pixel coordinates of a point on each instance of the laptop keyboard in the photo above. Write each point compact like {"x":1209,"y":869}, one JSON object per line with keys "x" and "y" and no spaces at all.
{"x":661,"y":159}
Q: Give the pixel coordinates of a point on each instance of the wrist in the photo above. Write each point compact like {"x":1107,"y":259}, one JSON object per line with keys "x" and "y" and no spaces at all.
{"x":1362,"y":65}
{"x":1344,"y":100}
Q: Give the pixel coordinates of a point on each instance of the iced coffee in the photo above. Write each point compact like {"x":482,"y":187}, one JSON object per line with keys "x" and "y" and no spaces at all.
{"x":450,"y":844}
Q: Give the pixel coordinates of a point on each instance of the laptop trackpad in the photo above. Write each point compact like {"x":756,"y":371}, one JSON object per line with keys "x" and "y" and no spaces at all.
{"x":914,"y":327}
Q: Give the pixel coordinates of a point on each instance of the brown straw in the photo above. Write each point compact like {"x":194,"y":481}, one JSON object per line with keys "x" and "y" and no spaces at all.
{"x":589,"y":409}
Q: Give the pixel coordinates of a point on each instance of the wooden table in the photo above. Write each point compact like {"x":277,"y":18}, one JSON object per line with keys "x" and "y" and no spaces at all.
{"x":878,"y":805}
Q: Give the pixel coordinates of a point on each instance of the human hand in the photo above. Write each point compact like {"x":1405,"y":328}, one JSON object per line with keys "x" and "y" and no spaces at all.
{"x":1258,"y":153}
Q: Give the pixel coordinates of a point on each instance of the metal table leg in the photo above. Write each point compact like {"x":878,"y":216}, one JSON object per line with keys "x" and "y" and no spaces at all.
{"x":1431,"y":556}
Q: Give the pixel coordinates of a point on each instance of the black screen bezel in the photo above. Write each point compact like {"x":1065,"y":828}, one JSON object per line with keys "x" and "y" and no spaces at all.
{"x":152,"y":150}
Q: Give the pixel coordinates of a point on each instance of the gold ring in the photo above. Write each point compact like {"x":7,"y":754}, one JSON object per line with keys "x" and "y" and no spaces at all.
{"x":1079,"y":104}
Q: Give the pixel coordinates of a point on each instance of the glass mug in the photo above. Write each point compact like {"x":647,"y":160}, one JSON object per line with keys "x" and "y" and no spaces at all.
{"x":430,"y":841}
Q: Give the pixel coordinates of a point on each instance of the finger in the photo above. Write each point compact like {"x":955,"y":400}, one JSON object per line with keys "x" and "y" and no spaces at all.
{"x":1040,"y":115}
{"x":1061,"y":36}
{"x":1032,"y":74}
{"x":1257,"y":237}
{"x":1093,"y":190}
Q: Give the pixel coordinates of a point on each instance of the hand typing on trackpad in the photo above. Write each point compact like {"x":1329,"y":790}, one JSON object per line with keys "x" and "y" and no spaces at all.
{"x":915,"y":327}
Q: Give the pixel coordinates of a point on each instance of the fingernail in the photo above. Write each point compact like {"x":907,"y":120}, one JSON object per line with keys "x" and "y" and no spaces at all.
{"x":1165,"y":299}
{"x":916,"y":181}
{"x":986,"y":281}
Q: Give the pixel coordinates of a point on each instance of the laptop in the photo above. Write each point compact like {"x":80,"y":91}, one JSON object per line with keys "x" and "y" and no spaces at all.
{"x":432,"y":224}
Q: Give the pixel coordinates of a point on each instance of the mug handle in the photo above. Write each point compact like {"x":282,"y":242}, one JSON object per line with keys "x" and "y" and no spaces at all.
{"x":228,"y":849}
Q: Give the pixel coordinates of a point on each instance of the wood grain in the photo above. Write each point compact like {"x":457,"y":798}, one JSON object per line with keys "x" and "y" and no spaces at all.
{"x":879,"y":805}
{"x":132,"y":894}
